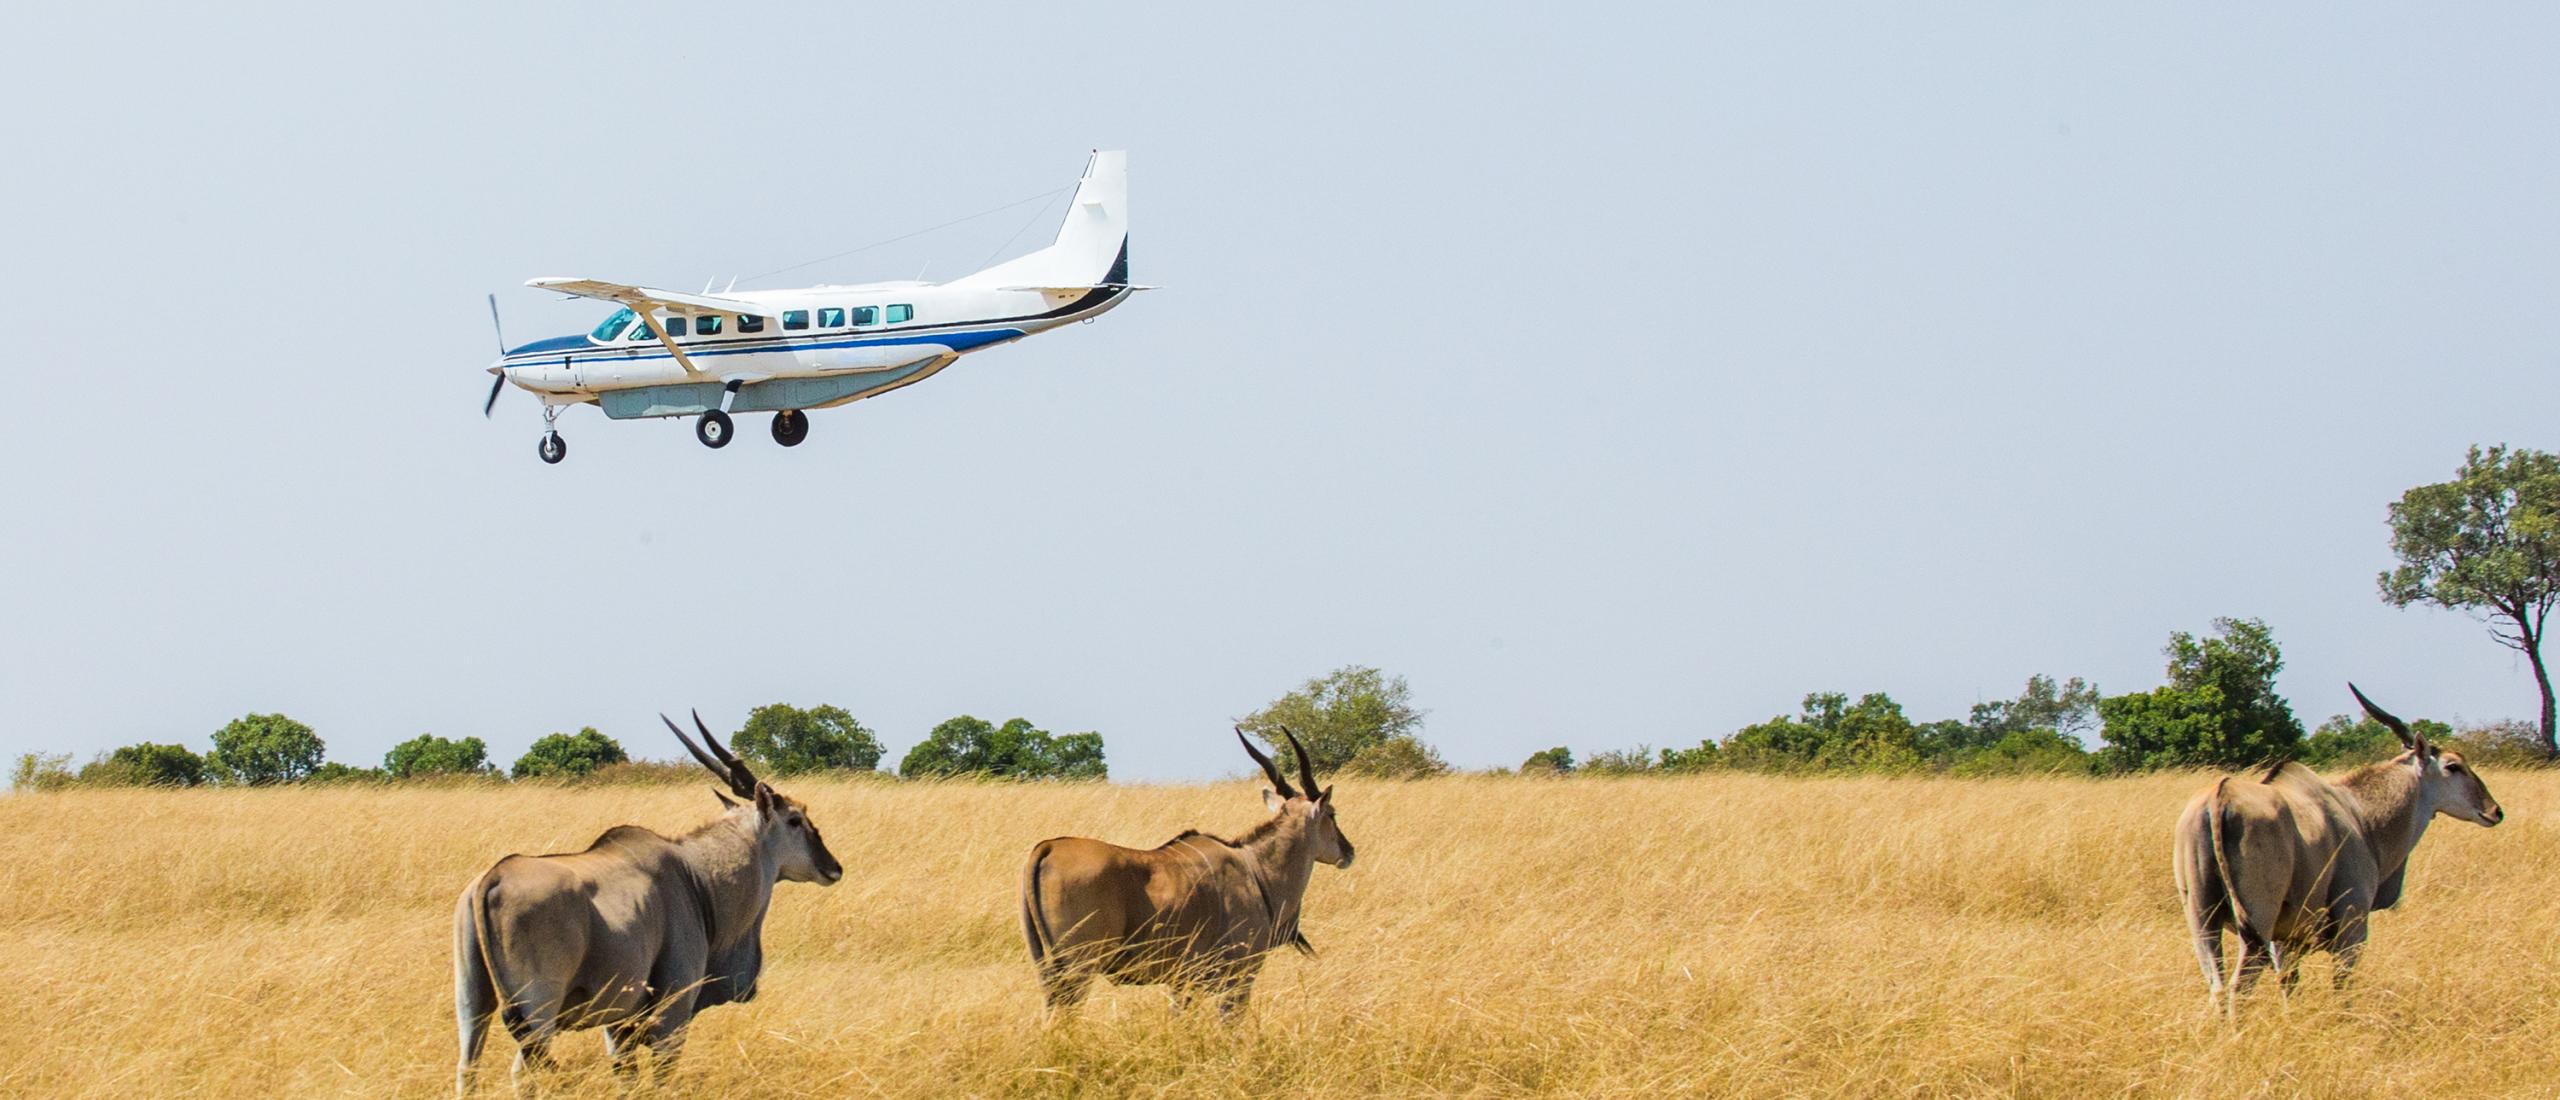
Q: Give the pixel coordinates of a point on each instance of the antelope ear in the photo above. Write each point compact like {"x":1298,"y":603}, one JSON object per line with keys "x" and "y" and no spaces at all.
{"x":1271,"y":801}
{"x":764,"y":795}
{"x":1325,"y":795}
{"x":726,"y":802}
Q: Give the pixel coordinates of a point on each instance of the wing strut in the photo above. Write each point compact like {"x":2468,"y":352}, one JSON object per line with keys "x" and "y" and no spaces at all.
{"x":660,"y":327}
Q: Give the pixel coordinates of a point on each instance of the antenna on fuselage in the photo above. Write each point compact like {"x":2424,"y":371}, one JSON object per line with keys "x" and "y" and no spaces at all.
{"x":733,"y":285}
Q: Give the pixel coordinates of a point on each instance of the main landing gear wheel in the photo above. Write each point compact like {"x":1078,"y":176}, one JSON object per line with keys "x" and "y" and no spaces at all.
{"x":713,"y":429}
{"x":790,"y":426}
{"x":553,"y":448}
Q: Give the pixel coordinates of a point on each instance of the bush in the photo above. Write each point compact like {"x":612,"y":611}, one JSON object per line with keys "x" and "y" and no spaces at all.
{"x":568,"y":756}
{"x":788,"y":740}
{"x":1707,"y":755}
{"x":1832,"y":734}
{"x":2502,"y":744}
{"x":1015,"y":750}
{"x":1403,"y":756}
{"x":147,"y":764}
{"x":1636,"y":761}
{"x":334,"y":772}
{"x":259,"y":749}
{"x":427,"y":754}
{"x":41,"y":771}
{"x":2027,"y":752}
{"x":1555,"y":761}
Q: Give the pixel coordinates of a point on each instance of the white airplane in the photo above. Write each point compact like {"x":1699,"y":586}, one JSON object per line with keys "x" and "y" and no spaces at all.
{"x":668,"y":353}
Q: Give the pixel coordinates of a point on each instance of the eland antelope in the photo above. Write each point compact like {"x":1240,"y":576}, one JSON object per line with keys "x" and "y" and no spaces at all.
{"x":2293,"y":862}
{"x":635,"y":934}
{"x":1197,"y":914}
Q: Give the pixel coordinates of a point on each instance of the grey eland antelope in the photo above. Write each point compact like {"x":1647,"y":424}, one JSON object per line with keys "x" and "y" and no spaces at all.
{"x":636,"y":933}
{"x":2293,"y":862}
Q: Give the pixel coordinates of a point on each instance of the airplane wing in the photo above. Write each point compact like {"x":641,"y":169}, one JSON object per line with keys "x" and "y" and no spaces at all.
{"x":1079,"y":289}
{"x":646,"y":299}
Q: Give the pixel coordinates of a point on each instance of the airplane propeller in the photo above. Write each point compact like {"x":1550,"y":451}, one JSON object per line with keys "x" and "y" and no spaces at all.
{"x":501,"y":382}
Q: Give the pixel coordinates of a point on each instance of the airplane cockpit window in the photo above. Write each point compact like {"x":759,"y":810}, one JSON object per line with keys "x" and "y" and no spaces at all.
{"x":901,"y":314}
{"x":831,"y":317}
{"x":642,"y":331}
{"x":707,"y":326}
{"x":795,"y":318}
{"x":748,"y":322}
{"x":613,"y":325}
{"x":866,"y":315}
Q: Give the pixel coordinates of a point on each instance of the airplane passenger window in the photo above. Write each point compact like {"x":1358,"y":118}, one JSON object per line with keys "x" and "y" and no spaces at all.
{"x":707,"y":326}
{"x":795,"y":318}
{"x":748,"y":322}
{"x":898,"y":314}
{"x":675,"y":326}
{"x":612,"y":326}
{"x":866,"y":315}
{"x":831,"y":317}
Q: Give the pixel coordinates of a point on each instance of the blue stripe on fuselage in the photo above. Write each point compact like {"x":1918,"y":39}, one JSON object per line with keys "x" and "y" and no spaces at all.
{"x":624,"y":352}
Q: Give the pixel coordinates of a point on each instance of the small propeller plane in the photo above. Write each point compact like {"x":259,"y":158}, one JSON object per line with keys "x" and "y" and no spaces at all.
{"x":668,"y":353}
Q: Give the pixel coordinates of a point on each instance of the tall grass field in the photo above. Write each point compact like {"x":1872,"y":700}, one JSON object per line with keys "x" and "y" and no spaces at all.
{"x":1723,"y":935}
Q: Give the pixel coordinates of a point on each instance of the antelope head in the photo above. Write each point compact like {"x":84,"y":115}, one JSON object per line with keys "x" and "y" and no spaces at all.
{"x":2446,"y":782}
{"x":782,"y":824}
{"x":1313,"y":805}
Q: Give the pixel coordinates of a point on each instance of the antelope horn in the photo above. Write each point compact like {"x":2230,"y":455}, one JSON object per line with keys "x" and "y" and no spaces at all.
{"x":2383,"y":716}
{"x":1270,"y":769}
{"x":716,"y":767}
{"x":744,"y":777}
{"x":1306,"y":768}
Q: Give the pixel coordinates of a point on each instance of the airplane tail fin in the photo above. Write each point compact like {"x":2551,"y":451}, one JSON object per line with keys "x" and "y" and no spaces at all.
{"x":1092,"y":248}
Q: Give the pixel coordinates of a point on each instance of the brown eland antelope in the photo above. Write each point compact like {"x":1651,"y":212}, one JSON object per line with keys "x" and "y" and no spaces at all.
{"x":635,"y":934}
{"x":2292,"y":862}
{"x":1197,"y":914}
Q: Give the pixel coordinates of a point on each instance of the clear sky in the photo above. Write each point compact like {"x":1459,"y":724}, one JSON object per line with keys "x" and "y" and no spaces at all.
{"x":1616,"y":376}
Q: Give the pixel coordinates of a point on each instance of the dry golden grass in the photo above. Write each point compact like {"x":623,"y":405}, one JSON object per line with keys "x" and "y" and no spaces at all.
{"x":1727,"y":936}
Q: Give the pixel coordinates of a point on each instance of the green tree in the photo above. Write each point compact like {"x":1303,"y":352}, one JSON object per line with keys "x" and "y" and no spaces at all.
{"x":1707,"y":755}
{"x":1555,"y":761}
{"x":428,"y":754}
{"x":1337,"y":715}
{"x":148,"y":764}
{"x":564,"y":755}
{"x":259,"y":749}
{"x":2219,"y":708}
{"x":1831,"y":734}
{"x":1403,"y":756}
{"x":2487,"y":543}
{"x":788,"y":740}
{"x":1015,"y":750}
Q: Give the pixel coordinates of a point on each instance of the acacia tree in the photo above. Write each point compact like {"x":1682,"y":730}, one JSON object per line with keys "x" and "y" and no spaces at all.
{"x":1339,"y":715}
{"x":2486,"y":543}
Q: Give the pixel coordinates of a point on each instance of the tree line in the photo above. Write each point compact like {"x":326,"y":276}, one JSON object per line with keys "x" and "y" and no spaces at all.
{"x":780,"y":739}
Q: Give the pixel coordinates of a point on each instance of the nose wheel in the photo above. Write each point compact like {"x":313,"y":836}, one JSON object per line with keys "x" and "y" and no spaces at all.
{"x":713,"y":429}
{"x":552,"y":448}
{"x":790,"y":426}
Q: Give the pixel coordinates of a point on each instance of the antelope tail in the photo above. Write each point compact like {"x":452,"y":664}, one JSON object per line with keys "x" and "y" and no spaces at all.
{"x":2222,"y":855}
{"x":488,"y":943}
{"x":1035,"y":925}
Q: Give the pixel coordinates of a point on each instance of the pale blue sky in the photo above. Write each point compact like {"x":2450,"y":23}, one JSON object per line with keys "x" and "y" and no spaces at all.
{"x":1616,"y":377}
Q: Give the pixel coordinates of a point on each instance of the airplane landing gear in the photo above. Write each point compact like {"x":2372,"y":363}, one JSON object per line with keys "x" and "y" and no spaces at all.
{"x":790,"y":426}
{"x":553,"y":448}
{"x":712,"y":429}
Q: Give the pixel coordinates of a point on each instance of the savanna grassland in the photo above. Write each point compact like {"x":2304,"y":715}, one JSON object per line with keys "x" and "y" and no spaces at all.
{"x":1721,"y":935}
